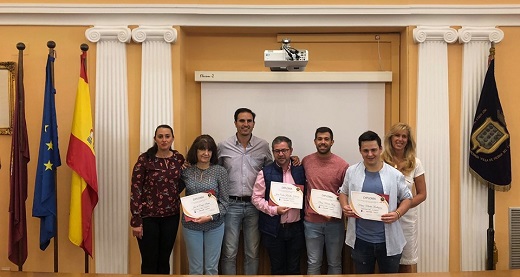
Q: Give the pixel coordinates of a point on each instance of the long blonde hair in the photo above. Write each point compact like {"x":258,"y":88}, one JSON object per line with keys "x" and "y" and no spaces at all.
{"x":409,"y":150}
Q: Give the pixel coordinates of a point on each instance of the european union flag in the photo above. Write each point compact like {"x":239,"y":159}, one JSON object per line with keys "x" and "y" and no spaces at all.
{"x":44,"y":205}
{"x":490,"y":153}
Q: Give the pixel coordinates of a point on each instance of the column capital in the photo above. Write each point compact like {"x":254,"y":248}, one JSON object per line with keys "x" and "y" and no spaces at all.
{"x":434,"y":33}
{"x":491,"y":34}
{"x":154,"y":33}
{"x":98,"y":33}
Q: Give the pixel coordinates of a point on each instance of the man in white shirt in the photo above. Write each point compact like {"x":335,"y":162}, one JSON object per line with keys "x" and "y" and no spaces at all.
{"x":373,"y":240}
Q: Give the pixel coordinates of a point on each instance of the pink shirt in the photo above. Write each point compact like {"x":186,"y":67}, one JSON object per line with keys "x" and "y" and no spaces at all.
{"x":258,"y":198}
{"x":323,"y":173}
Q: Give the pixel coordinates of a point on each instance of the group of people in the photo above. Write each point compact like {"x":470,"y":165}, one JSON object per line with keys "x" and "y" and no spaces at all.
{"x":239,"y":173}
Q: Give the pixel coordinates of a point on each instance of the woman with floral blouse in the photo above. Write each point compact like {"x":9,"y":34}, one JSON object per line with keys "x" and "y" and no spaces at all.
{"x":203,"y":235}
{"x":155,"y":201}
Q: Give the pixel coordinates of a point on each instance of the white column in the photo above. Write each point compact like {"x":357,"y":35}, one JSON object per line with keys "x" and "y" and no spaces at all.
{"x":473,"y":194}
{"x":156,"y":79}
{"x":111,"y":121}
{"x":433,"y":147}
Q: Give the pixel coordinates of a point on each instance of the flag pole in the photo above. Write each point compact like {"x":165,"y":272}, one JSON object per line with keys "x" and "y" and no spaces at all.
{"x":20,"y":46}
{"x":51,"y":45}
{"x":84,"y":48}
{"x":490,"y":263}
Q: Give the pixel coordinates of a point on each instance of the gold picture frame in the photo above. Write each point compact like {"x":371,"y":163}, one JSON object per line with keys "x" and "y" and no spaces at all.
{"x":7,"y":83}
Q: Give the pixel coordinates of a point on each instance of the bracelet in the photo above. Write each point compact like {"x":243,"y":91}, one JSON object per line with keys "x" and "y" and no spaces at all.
{"x":398,"y":214}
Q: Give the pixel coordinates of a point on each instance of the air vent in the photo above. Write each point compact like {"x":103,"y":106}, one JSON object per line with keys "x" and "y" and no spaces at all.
{"x":514,"y":238}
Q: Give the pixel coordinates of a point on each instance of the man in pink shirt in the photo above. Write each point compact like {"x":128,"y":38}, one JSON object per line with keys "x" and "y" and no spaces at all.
{"x":324,"y":171}
{"x":281,"y":228}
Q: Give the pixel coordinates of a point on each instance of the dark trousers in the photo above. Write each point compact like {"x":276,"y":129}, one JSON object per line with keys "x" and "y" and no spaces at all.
{"x":285,"y":250}
{"x":157,"y":243}
{"x":366,"y":254}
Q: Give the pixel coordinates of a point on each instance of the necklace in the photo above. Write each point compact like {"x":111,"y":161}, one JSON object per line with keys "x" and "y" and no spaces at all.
{"x":199,"y":177}
{"x":399,"y":163}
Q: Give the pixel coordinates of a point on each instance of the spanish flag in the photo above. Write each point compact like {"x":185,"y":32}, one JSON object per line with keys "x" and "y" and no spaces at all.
{"x":81,"y":158}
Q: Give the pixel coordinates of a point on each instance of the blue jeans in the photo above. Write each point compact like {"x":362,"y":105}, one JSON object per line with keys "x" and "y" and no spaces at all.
{"x":365,"y":255}
{"x":245,"y":215}
{"x":203,"y":249}
{"x":328,"y":234}
{"x":285,"y":250}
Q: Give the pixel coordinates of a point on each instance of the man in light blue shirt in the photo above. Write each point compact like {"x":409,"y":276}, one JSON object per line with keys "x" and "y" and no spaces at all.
{"x":372,"y":241}
{"x":243,"y":155}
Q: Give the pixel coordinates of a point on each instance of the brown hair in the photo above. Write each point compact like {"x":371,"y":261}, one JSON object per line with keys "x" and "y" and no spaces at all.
{"x":202,"y":142}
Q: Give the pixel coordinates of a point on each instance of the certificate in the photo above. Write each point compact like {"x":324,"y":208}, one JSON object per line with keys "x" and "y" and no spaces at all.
{"x":286,"y":195}
{"x":325,"y":203}
{"x":199,"y":204}
{"x":368,"y":205}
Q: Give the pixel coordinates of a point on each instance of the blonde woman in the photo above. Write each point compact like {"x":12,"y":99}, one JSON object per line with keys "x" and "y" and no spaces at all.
{"x":399,"y":152}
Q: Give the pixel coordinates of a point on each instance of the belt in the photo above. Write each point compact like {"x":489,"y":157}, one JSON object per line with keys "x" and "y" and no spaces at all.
{"x":289,"y":224}
{"x":241,"y":198}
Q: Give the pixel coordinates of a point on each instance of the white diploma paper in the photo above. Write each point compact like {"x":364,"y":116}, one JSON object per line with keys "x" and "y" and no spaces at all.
{"x":286,"y":195}
{"x":368,"y":205}
{"x":325,"y":203}
{"x":199,"y":204}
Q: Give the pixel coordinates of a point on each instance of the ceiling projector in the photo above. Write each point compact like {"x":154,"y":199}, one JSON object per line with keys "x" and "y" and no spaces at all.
{"x":286,"y":59}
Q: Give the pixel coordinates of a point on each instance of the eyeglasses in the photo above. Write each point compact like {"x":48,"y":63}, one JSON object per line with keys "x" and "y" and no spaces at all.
{"x":283,"y":151}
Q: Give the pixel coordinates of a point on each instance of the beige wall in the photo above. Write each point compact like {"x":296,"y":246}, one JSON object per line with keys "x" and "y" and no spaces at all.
{"x":35,"y":38}
{"x":194,"y":50}
{"x":507,"y":61}
{"x":277,"y":2}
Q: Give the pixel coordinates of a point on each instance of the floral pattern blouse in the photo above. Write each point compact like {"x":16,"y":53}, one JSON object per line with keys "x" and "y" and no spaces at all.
{"x":156,"y":186}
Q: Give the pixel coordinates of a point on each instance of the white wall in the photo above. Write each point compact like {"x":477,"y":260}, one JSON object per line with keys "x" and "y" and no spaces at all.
{"x":295,"y":110}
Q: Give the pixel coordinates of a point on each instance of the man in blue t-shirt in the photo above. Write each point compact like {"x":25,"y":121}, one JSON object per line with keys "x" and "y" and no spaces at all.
{"x":379,"y":240}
